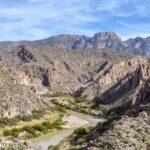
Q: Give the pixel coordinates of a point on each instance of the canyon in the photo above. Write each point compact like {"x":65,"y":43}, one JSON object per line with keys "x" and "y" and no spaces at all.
{"x":95,"y":69}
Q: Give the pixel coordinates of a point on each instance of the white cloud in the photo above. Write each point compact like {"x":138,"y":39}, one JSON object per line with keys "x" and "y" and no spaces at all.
{"x":34,"y":12}
{"x":34,"y":19}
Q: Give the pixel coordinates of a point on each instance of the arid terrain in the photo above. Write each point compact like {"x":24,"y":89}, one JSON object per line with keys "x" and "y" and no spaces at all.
{"x":87,"y":77}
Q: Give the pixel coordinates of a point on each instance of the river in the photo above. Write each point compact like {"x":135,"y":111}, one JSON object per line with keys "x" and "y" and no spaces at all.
{"x":57,"y":136}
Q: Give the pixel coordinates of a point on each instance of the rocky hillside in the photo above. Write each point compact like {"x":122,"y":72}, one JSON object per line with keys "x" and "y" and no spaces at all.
{"x":128,"y":124}
{"x":59,"y":70}
{"x":128,"y":127}
{"x":99,"y":75}
{"x":125,"y":134}
{"x":15,"y":99}
{"x":32,"y":69}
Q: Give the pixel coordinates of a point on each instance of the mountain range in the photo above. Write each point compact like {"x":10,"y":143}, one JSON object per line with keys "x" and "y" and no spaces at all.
{"x":100,"y":41}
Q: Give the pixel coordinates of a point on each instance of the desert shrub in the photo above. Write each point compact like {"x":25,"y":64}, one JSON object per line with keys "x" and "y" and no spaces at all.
{"x":81,"y":131}
{"x":35,"y":130}
{"x":8,"y":121}
{"x":57,"y":94}
{"x":7,"y":132}
{"x":14,"y":132}
{"x":29,"y":129}
{"x":60,"y":109}
{"x":80,"y":141}
{"x":40,"y":128}
{"x":13,"y":121}
{"x":47,"y":124}
{"x":51,"y":147}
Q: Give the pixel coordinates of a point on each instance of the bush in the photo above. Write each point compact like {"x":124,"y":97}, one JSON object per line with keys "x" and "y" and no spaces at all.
{"x":13,"y":121}
{"x":8,"y":121}
{"x":40,"y":128}
{"x":29,"y":129}
{"x":60,"y":109}
{"x":81,"y":131}
{"x":47,"y":124}
{"x":35,"y":130}
{"x":58,"y":94}
{"x":7,"y":132}
{"x":80,"y":141}
{"x":51,"y":147}
{"x":14,"y":132}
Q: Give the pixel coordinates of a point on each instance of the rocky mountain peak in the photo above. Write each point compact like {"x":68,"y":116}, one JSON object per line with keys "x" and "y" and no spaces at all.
{"x":101,"y":40}
{"x":106,"y":36}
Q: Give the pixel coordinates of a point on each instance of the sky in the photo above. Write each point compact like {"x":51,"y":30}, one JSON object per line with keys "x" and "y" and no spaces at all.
{"x":37,"y":19}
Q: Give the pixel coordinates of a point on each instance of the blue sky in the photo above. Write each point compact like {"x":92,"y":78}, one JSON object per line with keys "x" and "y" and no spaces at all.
{"x":36,"y":19}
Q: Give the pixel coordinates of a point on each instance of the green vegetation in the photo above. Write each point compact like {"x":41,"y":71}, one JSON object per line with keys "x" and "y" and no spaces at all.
{"x":58,"y":94}
{"x":79,"y":135}
{"x":13,"y":121}
{"x":14,"y":132}
{"x":70,"y":103}
{"x":13,"y":146}
{"x":80,"y":104}
{"x":80,"y":141}
{"x":102,"y":127}
{"x":43,"y":126}
{"x":76,"y":140}
{"x":81,"y":131}
{"x":60,"y":109}
{"x":51,"y":147}
{"x":8,"y":121}
{"x":35,"y":130}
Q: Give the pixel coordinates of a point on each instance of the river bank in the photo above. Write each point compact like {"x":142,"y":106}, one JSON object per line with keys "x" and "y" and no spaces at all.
{"x":75,"y":121}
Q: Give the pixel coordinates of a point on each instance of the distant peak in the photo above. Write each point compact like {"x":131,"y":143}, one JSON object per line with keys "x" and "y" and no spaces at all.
{"x":106,"y":35}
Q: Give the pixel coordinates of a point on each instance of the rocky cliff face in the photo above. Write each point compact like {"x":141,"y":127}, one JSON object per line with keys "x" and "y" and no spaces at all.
{"x":16,"y":99}
{"x":98,"y":75}
{"x":129,"y":125}
{"x":104,"y":76}
{"x":132,"y":131}
{"x":113,"y":81}
{"x":55,"y":69}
